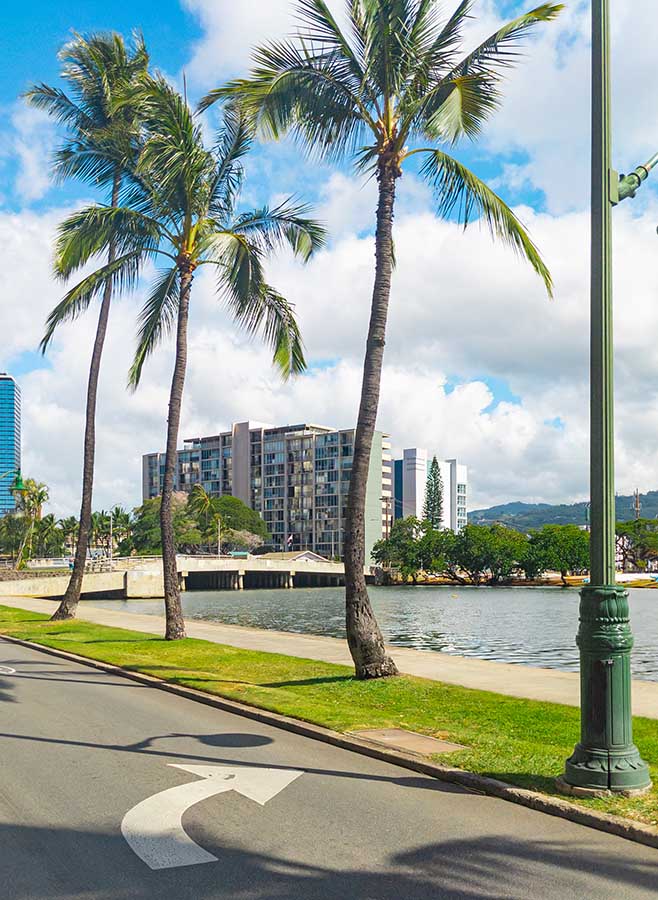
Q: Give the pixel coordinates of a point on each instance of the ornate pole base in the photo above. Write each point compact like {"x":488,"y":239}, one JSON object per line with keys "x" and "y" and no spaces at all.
{"x":606,"y":759}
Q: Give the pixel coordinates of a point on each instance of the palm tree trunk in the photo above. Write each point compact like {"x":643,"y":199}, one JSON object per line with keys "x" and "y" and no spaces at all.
{"x":69,"y":605}
{"x":175,"y":629}
{"x":363,"y":634}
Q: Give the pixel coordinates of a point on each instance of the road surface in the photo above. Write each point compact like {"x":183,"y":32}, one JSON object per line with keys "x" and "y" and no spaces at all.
{"x":266,"y":814}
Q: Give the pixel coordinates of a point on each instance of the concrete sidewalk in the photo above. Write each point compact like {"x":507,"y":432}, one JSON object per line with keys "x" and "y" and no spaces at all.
{"x":502,"y":678}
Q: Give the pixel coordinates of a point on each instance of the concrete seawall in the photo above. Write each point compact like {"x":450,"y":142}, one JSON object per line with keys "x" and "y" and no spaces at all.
{"x":106,"y":584}
{"x":137,"y":585}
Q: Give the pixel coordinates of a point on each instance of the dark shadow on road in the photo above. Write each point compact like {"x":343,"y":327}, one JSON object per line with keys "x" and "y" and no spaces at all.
{"x":229,"y":739}
{"x":76,"y":864}
{"x":6,"y":690}
{"x":146,"y":747}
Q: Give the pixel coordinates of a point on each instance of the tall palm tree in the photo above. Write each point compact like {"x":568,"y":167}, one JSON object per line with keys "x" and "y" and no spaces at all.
{"x":183,"y":210}
{"x":391,"y":88}
{"x":205,"y":509}
{"x":98,"y":70}
{"x":202,"y":505}
{"x":69,"y":527}
{"x":31,"y":503}
{"x":121,"y":523}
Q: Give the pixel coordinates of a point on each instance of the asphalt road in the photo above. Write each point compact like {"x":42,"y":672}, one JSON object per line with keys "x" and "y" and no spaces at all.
{"x":80,"y":749}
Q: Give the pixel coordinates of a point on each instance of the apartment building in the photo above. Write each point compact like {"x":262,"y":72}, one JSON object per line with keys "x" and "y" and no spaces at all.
{"x":296,"y":476}
{"x":410,"y":483}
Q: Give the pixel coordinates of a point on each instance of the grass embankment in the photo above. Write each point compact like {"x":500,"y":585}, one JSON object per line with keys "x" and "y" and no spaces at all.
{"x":522,"y":742}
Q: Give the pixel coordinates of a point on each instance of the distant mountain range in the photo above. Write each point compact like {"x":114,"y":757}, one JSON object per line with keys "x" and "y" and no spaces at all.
{"x":524,"y":516}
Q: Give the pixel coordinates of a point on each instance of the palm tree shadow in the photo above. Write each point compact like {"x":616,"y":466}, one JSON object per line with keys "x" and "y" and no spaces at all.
{"x":6,"y":691}
{"x":307,"y":682}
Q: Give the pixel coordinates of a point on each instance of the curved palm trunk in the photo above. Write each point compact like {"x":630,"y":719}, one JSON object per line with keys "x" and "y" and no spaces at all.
{"x":69,"y":605}
{"x":363,"y":634}
{"x":175,"y":629}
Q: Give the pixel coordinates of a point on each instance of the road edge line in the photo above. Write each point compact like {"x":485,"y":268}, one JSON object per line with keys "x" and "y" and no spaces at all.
{"x":481,"y":784}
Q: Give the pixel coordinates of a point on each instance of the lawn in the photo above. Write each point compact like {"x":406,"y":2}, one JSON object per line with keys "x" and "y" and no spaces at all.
{"x":522,"y":742}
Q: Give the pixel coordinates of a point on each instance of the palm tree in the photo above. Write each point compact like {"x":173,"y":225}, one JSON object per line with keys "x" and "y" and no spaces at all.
{"x":202,"y":505}
{"x":98,"y":70}
{"x":49,"y":536}
{"x":183,"y":209}
{"x":31,"y":502}
{"x":120,"y":524}
{"x":392,"y":88}
{"x":69,"y":527}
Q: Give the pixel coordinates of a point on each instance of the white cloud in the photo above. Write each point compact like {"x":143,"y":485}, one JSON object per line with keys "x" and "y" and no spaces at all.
{"x":31,"y":142}
{"x":231,"y":30}
{"x":461,"y":308}
{"x":545,"y":115}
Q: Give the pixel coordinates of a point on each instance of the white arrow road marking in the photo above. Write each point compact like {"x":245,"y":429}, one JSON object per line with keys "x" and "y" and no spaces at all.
{"x":154,"y":828}
{"x":5,"y":670}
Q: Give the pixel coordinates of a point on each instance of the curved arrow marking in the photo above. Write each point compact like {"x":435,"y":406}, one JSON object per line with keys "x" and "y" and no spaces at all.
{"x":154,"y":828}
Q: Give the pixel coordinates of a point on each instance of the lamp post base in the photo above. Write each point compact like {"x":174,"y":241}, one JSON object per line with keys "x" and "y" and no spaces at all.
{"x":606,"y":759}
{"x":593,"y":793}
{"x":606,"y":771}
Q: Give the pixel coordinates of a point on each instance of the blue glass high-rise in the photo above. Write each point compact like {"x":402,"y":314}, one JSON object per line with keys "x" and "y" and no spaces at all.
{"x":10,"y":439}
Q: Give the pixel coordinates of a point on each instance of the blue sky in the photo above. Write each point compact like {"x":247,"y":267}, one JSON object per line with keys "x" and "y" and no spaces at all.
{"x":479,"y":364}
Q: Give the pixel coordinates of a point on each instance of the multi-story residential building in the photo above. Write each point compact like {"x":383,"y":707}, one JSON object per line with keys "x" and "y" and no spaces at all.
{"x":410,"y":483}
{"x":296,"y":476}
{"x":10,"y":440}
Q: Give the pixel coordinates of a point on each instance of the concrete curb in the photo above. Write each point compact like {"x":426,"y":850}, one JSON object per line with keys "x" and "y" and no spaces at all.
{"x":553,"y":806}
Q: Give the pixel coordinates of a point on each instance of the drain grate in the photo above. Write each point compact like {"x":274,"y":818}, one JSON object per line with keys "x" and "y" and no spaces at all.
{"x":409,"y":741}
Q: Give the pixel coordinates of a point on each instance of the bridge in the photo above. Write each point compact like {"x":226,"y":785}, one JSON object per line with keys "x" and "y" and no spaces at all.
{"x":141,"y":577}
{"x":198,"y":573}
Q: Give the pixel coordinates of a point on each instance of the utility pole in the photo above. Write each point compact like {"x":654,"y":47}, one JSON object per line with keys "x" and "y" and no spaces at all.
{"x":606,"y":759}
{"x":638,"y":505}
{"x":219,"y":536}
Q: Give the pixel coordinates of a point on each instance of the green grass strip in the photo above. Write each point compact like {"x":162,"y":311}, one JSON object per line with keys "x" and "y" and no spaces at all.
{"x":522,"y":742}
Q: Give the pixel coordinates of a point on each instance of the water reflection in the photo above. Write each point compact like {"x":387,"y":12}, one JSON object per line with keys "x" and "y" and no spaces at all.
{"x":529,"y":626}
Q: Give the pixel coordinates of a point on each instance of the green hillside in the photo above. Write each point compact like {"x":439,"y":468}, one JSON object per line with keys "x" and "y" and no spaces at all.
{"x":524,"y":516}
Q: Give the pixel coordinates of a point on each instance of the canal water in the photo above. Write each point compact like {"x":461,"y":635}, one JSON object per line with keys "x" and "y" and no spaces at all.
{"x":529,"y":626}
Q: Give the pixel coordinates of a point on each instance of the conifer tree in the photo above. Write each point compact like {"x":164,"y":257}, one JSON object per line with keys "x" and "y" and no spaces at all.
{"x":433,"y":508}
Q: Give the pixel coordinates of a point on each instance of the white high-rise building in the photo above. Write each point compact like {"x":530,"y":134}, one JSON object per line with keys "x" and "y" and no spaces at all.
{"x":410,"y":484}
{"x":295,"y":476}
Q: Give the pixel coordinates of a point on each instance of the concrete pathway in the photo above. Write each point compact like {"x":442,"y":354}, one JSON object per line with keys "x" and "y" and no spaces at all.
{"x":503,"y":678}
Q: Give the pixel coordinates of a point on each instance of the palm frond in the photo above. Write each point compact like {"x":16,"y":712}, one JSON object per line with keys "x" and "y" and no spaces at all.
{"x":97,"y":69}
{"x":288,"y":223}
{"x":462,"y":195}
{"x":292,"y":88}
{"x":55,"y":102}
{"x":502,"y":48}
{"x":233,"y":143}
{"x":458,"y":107}
{"x":156,"y":320}
{"x":89,"y":232}
{"x":173,"y":156}
{"x":319,"y":26}
{"x":122,"y":274}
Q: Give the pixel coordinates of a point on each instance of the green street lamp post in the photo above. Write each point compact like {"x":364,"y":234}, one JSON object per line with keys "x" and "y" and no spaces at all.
{"x":17,"y":485}
{"x":606,"y":758}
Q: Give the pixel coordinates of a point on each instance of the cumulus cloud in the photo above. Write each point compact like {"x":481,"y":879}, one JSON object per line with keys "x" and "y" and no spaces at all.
{"x":231,"y":30}
{"x":464,"y":314}
{"x":30,"y":143}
